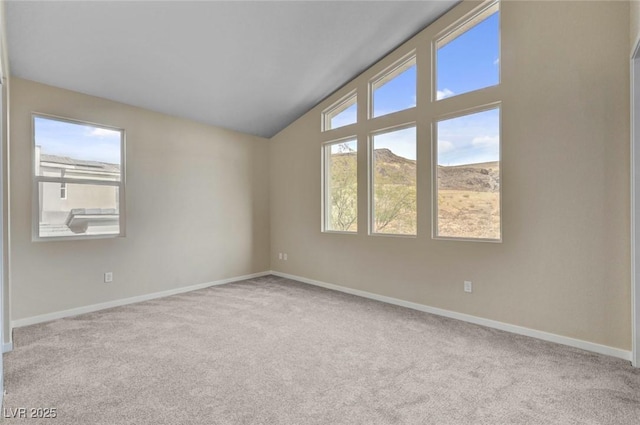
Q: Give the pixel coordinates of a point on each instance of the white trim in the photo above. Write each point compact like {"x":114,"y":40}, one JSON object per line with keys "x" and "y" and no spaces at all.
{"x":371,"y":204}
{"x":36,"y":179}
{"x":338,"y":105}
{"x":389,"y":73}
{"x":635,"y":210}
{"x":492,"y":106}
{"x":520,"y":330}
{"x":325,"y":174}
{"x":466,"y":23}
{"x":117,"y":303}
{"x":7,"y":347}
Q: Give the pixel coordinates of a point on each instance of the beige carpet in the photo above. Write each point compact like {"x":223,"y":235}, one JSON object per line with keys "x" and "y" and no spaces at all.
{"x":273,"y":351}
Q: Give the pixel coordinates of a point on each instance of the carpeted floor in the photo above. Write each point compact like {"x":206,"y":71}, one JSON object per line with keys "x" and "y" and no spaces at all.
{"x":273,"y":351}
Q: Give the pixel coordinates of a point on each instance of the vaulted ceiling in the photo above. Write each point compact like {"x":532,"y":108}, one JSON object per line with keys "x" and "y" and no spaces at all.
{"x":253,"y":67}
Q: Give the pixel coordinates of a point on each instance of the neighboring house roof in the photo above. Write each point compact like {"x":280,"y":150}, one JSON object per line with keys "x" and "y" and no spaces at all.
{"x":80,"y":163}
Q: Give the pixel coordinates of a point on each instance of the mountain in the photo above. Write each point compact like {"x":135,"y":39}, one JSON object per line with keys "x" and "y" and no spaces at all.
{"x":385,"y":155}
{"x":391,"y":168}
{"x":394,"y":169}
{"x":483,"y":177}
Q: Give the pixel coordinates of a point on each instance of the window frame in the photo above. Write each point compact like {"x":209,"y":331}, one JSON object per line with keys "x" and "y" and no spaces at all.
{"x":434,"y":169}
{"x":387,"y":75}
{"x":427,"y":112}
{"x":326,"y":203}
{"x":453,"y":31}
{"x":371,"y":179}
{"x":36,"y":180}
{"x":338,"y":107}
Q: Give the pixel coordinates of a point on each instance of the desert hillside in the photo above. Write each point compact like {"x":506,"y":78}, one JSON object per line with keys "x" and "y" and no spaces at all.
{"x":483,"y":177}
{"x":468,"y":196}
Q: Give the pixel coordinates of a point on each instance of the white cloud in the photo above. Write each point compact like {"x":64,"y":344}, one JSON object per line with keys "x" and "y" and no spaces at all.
{"x":103,"y":132}
{"x":444,"y":93}
{"x":485,"y":141}
{"x":497,"y":61}
{"x":445,"y":146}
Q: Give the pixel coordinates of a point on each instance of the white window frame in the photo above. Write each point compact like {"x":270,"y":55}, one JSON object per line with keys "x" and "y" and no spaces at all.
{"x":452,"y":32}
{"x":371,"y":179}
{"x":338,"y":107}
{"x":389,"y":74}
{"x":36,"y":180}
{"x":428,"y":110}
{"x":434,"y":169}
{"x":469,"y":104}
{"x":326,"y":202}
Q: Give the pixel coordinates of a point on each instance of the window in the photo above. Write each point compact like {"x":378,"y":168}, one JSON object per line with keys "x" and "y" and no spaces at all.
{"x":343,"y":112}
{"x":341,"y":186}
{"x":395,"y":89}
{"x":466,"y":143}
{"x":407,"y":119}
{"x":63,"y":186}
{"x":63,"y":191}
{"x":78,"y":179}
{"x":393,"y":180}
{"x":468,"y":56}
{"x":467,"y":173}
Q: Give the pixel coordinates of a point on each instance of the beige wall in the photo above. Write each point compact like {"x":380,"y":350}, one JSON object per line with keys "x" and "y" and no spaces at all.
{"x":199,"y":207}
{"x":196,"y":208}
{"x":564,"y":264}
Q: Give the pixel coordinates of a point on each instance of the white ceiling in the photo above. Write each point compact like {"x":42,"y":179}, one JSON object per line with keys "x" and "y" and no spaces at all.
{"x":249,"y":66}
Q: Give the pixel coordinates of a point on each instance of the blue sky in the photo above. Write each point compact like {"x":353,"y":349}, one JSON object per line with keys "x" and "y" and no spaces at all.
{"x":401,"y":142}
{"x":469,"y":139}
{"x":77,"y":141}
{"x":469,"y":62}
{"x":397,"y":94}
{"x":346,"y":117}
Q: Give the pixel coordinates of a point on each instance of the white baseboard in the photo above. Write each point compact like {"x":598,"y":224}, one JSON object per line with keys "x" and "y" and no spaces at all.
{"x":117,"y":303}
{"x":520,"y":330}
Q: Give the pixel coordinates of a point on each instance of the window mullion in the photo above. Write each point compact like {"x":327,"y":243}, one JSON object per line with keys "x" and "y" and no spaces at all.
{"x":47,"y":179}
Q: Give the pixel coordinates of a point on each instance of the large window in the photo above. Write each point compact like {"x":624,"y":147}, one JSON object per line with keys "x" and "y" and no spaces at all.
{"x":467,"y":172}
{"x":393,"y":179}
{"x":341,"y":186}
{"x":468,"y":56}
{"x":466,"y":143}
{"x":78,"y":179}
{"x":429,"y":119}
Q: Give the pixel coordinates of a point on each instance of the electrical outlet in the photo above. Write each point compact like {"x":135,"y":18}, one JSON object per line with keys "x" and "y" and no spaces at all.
{"x":468,"y":286}
{"x":285,"y":256}
{"x":279,"y":256}
{"x":108,"y":277}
